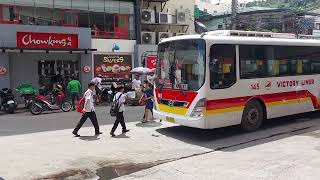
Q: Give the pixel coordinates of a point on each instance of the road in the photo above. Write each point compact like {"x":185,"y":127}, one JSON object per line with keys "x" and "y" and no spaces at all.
{"x":285,"y":148}
{"x":24,"y":122}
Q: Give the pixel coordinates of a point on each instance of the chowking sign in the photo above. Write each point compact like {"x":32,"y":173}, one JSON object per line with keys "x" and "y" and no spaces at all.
{"x":46,"y":40}
{"x":113,"y":67}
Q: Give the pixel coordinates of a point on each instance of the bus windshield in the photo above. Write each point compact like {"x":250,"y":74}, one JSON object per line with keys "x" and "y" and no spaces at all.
{"x":181,"y":64}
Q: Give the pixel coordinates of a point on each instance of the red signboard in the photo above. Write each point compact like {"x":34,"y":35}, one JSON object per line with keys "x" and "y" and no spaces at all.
{"x":151,"y":62}
{"x":46,"y":40}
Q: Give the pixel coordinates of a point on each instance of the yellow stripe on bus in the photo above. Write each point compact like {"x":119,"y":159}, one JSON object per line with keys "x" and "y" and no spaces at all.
{"x":225,"y":110}
{"x":173,"y":110}
{"x":241,"y":108}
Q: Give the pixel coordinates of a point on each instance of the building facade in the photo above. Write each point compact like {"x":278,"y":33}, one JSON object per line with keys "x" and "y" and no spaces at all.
{"x":95,"y":27}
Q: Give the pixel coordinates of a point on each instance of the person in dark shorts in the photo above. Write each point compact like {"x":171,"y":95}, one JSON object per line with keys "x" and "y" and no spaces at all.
{"x":74,"y":88}
{"x":148,"y":93}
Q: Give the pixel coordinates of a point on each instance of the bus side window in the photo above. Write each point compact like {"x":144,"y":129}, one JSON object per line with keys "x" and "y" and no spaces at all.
{"x":222,"y":66}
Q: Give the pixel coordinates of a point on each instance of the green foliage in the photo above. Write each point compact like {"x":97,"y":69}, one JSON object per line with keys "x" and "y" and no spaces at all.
{"x":296,"y":5}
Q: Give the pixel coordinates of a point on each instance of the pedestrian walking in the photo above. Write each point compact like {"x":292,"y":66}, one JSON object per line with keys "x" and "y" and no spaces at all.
{"x":74,"y":88}
{"x":120,"y":99}
{"x":148,"y":95}
{"x":98,"y":87}
{"x":88,"y":111}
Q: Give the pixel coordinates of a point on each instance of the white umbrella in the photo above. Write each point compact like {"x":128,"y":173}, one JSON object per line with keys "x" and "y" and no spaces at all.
{"x":141,"y":71}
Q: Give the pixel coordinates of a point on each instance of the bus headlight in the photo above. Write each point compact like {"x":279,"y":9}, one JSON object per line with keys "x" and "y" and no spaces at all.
{"x":199,"y":109}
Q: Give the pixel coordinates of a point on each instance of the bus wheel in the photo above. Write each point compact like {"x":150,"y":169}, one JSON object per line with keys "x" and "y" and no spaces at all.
{"x":252,"y":116}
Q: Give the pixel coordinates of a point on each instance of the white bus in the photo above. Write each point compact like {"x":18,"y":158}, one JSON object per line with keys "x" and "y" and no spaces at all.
{"x":225,"y":78}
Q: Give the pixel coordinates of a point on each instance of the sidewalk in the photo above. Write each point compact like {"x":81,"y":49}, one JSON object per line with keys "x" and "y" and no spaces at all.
{"x":288,"y":151}
{"x":42,"y":154}
{"x":293,"y":158}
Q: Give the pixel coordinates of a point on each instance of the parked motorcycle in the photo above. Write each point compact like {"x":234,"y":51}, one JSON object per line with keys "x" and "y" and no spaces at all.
{"x":27,"y":92}
{"x":8,"y":103}
{"x":56,"y":101}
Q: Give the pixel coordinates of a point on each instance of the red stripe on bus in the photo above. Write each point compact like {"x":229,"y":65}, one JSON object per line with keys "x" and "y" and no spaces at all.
{"x":177,"y":95}
{"x":266,"y":98}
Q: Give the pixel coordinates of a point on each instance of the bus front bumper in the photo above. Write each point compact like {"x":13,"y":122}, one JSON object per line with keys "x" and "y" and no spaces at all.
{"x":197,"y":122}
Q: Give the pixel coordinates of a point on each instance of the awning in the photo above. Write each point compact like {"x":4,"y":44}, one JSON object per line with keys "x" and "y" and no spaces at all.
{"x":47,"y":50}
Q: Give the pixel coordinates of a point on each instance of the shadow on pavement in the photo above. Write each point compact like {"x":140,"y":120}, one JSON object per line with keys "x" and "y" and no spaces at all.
{"x":89,"y":138}
{"x":233,"y":138}
{"x":121,"y":136}
{"x":149,"y":124}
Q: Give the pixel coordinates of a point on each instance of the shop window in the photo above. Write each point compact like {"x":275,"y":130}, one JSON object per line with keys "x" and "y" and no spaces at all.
{"x":222,"y":66}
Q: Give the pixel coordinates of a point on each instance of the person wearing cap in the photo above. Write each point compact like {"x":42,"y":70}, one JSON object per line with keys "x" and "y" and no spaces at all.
{"x":98,"y":88}
{"x":88,"y":111}
{"x":121,"y":98}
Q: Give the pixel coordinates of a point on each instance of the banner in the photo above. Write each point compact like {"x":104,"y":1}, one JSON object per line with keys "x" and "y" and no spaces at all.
{"x":151,"y":62}
{"x":113,"y":67}
{"x":46,"y":40}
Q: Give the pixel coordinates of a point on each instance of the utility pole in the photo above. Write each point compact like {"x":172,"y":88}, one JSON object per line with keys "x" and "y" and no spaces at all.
{"x":234,"y":11}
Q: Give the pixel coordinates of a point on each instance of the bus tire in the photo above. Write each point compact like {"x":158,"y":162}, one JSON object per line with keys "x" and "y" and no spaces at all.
{"x":252,"y":117}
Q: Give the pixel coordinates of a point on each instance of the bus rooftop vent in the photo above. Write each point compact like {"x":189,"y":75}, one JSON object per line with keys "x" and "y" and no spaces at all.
{"x":252,"y":34}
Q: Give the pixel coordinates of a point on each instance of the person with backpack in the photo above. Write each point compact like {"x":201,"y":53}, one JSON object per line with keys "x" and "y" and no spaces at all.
{"x":117,"y":110}
{"x":87,"y":105}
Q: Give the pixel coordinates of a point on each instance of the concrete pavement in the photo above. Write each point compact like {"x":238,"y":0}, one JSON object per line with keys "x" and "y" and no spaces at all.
{"x":283,"y":149}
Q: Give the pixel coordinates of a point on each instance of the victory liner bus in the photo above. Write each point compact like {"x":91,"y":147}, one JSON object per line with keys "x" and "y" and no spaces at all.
{"x":224,"y":78}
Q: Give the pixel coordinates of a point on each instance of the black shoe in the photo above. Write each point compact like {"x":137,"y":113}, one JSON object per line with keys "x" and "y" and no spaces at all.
{"x":112,"y":134}
{"x":75,"y":134}
{"x":125,"y":131}
{"x":98,"y":133}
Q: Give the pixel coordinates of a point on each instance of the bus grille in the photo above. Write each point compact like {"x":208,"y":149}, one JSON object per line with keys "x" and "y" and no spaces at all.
{"x":173,"y":103}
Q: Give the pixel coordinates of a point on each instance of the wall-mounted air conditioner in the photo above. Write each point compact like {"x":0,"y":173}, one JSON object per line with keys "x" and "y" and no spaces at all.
{"x":163,"y":35}
{"x":164,"y":18}
{"x":181,"y":17}
{"x":148,"y":37}
{"x":148,"y":16}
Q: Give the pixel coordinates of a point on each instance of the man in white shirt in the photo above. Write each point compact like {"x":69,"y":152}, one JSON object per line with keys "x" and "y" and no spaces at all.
{"x":88,"y":111}
{"x":98,"y":87}
{"x":136,"y":83}
{"x":121,"y":98}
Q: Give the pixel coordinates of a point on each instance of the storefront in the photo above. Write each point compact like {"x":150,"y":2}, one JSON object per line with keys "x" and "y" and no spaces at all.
{"x":44,"y":55}
{"x":113,"y":59}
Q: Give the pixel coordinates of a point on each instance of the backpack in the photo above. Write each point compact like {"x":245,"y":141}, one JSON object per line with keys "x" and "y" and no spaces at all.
{"x":115,"y":106}
{"x":80,"y":105}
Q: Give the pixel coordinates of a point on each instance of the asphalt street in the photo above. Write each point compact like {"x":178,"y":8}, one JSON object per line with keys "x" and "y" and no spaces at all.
{"x":24,"y":122}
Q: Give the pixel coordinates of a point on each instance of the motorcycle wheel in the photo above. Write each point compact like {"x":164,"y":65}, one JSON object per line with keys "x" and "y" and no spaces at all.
{"x":35,"y":109}
{"x":66,"y":106}
{"x":11,"y":108}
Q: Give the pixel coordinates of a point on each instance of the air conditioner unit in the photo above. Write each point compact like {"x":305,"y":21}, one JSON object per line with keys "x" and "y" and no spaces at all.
{"x":148,"y":16}
{"x":181,"y":17}
{"x":148,"y":37}
{"x":164,"y":18}
{"x":181,"y":34}
{"x":163,"y":35}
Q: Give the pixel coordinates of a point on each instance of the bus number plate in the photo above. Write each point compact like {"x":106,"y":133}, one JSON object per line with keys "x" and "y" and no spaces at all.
{"x":170,"y":119}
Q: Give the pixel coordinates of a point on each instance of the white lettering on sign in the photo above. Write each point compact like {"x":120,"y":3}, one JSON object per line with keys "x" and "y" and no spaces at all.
{"x":28,"y":39}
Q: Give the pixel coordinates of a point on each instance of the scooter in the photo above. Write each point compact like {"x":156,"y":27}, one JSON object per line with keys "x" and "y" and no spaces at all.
{"x":27,"y":92}
{"x":54,"y":102}
{"x":8,"y":103}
